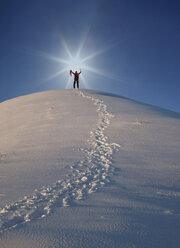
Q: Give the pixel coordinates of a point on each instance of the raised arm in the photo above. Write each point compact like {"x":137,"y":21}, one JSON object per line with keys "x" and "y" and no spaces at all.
{"x":72,"y":72}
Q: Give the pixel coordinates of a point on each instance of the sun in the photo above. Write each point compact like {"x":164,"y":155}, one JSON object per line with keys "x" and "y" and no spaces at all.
{"x":76,"y":63}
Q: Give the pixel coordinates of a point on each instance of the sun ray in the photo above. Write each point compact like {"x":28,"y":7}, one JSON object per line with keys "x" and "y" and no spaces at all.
{"x":91,"y":56}
{"x":51,"y":57}
{"x":45,"y":56}
{"x":66,"y":47}
{"x":99,"y":72}
{"x":80,"y":48}
{"x":84,"y":81}
{"x":83,"y":41}
{"x":57,"y":74}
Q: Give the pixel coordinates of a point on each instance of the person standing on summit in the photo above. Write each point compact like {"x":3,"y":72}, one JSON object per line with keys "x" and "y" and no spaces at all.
{"x":76,"y":78}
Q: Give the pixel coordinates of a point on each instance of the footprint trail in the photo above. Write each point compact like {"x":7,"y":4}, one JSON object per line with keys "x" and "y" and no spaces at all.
{"x":86,"y":177}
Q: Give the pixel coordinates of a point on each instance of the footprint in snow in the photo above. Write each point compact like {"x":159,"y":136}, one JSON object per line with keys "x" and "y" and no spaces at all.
{"x":86,"y":177}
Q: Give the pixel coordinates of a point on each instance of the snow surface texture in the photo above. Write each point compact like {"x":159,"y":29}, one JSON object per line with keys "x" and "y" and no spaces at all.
{"x":64,"y":140}
{"x":86,"y":177}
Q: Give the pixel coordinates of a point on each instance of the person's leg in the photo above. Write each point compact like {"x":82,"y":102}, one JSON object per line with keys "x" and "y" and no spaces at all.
{"x":74,"y":84}
{"x":78,"y":84}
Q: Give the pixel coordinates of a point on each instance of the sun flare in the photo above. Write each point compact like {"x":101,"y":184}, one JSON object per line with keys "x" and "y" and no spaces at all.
{"x":76,"y":63}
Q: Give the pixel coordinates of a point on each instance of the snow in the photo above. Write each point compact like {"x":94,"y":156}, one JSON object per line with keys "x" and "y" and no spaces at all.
{"x":81,"y":168}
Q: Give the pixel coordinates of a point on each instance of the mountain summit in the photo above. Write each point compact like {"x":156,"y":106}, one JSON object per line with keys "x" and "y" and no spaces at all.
{"x":81,"y":168}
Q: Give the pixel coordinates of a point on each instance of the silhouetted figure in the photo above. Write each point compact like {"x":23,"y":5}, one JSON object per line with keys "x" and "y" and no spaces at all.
{"x":76,"y":78}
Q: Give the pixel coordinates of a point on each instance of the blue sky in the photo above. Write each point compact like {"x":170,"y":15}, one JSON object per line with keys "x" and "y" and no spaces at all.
{"x":134,"y":47}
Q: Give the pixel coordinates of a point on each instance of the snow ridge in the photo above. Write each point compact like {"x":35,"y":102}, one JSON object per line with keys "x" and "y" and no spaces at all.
{"x":86,"y":177}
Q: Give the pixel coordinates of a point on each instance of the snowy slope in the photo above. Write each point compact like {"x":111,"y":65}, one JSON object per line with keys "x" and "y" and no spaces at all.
{"x":58,"y":148}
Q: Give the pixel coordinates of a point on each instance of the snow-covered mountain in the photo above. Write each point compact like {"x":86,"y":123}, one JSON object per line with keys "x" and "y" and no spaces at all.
{"x":81,"y":168}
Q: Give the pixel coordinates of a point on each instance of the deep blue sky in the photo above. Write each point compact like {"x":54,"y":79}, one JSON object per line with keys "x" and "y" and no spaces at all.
{"x":145,"y":61}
